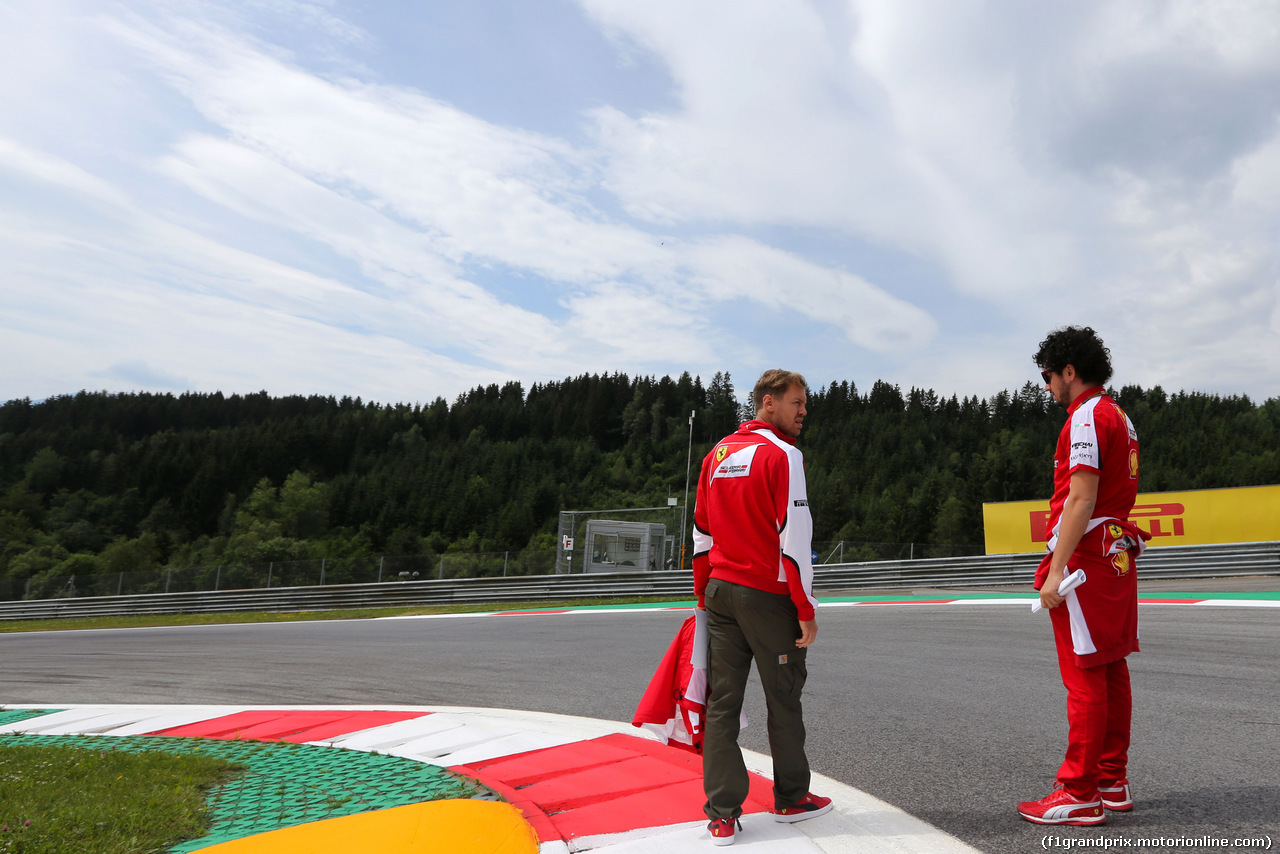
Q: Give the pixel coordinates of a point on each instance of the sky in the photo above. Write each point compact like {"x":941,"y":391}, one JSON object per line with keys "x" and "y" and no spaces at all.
{"x":403,"y":200}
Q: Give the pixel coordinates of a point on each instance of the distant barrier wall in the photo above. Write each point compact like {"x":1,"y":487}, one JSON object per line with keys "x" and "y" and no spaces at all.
{"x":384,"y":569}
{"x":284,"y":574}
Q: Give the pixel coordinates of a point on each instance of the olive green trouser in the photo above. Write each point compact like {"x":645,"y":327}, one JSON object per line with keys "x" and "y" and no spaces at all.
{"x":745,"y":624}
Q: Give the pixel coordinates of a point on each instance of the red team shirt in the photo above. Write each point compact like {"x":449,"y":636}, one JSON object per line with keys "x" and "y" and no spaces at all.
{"x":1100,"y":438}
{"x":752,"y":524}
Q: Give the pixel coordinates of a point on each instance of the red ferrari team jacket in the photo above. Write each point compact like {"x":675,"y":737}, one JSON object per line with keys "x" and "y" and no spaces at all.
{"x":751,"y":523}
{"x":1103,"y":612}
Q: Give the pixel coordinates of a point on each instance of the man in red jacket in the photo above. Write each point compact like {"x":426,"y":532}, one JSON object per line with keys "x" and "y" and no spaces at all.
{"x":1095,"y":483}
{"x":753,"y":574}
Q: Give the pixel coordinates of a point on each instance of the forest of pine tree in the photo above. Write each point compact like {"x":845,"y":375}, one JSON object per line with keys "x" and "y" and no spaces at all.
{"x":97,"y":483}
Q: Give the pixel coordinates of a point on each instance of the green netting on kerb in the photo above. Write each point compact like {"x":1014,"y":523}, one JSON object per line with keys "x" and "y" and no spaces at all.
{"x":288,"y":784}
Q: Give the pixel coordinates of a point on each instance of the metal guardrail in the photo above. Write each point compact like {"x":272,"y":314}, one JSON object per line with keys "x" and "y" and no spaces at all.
{"x":1164,"y":563}
{"x":1169,"y":562}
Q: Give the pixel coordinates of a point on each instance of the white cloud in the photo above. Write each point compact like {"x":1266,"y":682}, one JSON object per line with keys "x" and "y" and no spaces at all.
{"x":467,"y":191}
{"x":475,"y":189}
{"x":1081,"y":163}
{"x":736,"y":268}
{"x":918,"y":189}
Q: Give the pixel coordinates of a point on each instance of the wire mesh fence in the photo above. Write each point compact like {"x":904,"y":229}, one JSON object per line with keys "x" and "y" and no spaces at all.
{"x":297,"y":573}
{"x":850,"y":551}
{"x":646,"y":539}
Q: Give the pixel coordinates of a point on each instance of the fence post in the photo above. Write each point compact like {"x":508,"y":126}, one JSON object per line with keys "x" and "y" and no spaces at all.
{"x":322,"y":572}
{"x":168,"y":577}
{"x":120,"y":584}
{"x":442,"y":566}
{"x":505,"y":557}
{"x":217,"y":579}
{"x":271,"y":565}
{"x":381,"y":560}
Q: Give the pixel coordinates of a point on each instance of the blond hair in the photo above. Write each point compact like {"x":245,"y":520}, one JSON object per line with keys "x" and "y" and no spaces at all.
{"x":775,"y":382}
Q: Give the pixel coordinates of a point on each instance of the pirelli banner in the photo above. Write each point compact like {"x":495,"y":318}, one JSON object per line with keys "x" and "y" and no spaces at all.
{"x":1246,"y":514}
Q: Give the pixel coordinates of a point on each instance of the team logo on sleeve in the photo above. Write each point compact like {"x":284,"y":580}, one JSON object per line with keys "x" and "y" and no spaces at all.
{"x":1133,"y":464}
{"x":1115,"y":531}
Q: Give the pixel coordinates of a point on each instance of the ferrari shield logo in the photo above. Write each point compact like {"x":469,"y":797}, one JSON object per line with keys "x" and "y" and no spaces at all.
{"x":721,"y":453}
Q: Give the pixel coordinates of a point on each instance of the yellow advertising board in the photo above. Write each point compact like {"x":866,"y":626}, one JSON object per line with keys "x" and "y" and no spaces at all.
{"x":1246,"y":514}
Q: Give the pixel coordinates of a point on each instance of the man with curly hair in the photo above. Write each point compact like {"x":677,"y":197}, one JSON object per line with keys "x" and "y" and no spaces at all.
{"x":1095,"y":625}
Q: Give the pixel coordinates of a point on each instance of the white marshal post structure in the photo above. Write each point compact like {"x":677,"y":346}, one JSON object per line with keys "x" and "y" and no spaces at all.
{"x":688,"y":462}
{"x":624,"y":539}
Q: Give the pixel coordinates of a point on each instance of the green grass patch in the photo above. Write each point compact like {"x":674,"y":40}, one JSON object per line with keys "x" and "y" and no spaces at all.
{"x":279,"y":784}
{"x":145,"y":620}
{"x":64,"y":800}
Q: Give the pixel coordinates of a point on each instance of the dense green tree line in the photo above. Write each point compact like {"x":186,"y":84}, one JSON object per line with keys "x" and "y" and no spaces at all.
{"x":101,"y":483}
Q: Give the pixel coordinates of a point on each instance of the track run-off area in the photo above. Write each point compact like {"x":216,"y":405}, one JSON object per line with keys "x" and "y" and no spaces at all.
{"x":946,"y":705}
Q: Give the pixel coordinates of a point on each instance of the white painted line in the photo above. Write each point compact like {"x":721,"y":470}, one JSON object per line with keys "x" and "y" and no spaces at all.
{"x":383,"y":738}
{"x":163,"y":720}
{"x":442,"y":744}
{"x":520,"y":742}
{"x":758,"y":829}
{"x":72,"y":721}
{"x":863,"y":823}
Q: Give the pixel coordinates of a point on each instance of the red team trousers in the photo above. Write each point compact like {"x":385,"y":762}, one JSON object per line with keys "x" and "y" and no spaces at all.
{"x":1099,"y":710}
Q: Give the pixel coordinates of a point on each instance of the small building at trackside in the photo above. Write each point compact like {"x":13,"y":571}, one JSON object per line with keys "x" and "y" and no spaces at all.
{"x":614,"y":546}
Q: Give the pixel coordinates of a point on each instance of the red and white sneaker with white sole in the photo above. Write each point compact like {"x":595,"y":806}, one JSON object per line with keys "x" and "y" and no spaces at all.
{"x":1061,"y":807}
{"x":1116,"y":796}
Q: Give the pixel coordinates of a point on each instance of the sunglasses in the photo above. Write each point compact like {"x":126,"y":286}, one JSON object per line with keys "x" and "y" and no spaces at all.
{"x":1044,"y":375}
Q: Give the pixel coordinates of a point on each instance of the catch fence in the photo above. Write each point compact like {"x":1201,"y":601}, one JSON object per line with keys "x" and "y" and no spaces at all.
{"x":280,"y":574}
{"x":586,"y":553}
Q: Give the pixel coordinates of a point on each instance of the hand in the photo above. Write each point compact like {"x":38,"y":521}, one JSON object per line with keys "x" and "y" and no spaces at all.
{"x":808,"y":631}
{"x":1049,"y":597}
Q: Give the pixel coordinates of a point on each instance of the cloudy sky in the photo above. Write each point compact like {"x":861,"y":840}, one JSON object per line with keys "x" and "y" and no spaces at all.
{"x":400,"y":200}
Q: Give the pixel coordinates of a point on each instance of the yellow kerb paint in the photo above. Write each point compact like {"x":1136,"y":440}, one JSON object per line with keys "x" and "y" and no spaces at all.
{"x":437,"y":827}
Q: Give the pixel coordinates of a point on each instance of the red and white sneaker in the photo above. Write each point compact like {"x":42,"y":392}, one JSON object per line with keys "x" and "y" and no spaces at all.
{"x":1062,"y":807}
{"x":1116,"y":796}
{"x":810,"y":806}
{"x":723,"y":830}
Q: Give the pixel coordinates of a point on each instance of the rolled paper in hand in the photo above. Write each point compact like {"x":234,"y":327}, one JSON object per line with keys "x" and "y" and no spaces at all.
{"x":1069,"y":583}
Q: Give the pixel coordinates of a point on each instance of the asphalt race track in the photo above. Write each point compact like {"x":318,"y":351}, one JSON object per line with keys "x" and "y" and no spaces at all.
{"x":953,"y":713}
